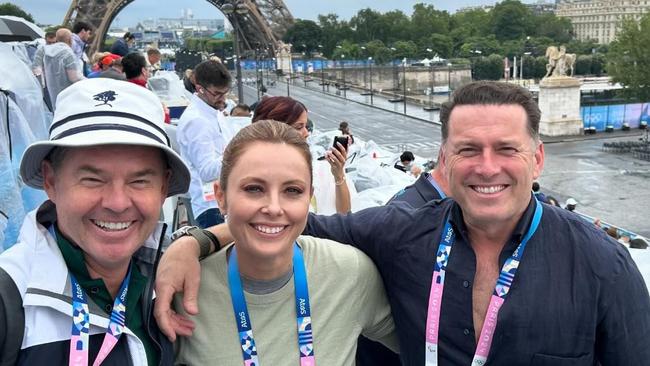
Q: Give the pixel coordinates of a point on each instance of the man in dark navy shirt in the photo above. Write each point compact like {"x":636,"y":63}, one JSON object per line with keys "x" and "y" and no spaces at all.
{"x":426,"y":188}
{"x":573,"y":297}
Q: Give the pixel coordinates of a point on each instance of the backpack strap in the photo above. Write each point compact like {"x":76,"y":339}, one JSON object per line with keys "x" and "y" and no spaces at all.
{"x":13,"y":315}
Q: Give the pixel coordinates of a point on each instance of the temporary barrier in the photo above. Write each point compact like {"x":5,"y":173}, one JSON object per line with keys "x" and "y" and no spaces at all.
{"x":601,"y":116}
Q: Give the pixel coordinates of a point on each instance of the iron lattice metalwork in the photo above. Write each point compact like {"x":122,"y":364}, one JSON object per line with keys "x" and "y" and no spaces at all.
{"x":260,"y":29}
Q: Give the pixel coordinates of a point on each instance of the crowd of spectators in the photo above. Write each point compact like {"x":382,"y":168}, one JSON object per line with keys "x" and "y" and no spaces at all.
{"x":63,"y":60}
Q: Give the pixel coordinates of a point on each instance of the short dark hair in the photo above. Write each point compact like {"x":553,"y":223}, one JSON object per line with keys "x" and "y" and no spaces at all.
{"x":80,"y":26}
{"x":50,"y":35}
{"x":242,"y":106}
{"x":638,"y":243}
{"x":132,"y":64}
{"x":128,"y":35}
{"x":56,"y":157}
{"x":407,"y":156}
{"x":492,"y":93}
{"x":211,"y":73}
{"x":535,"y":187}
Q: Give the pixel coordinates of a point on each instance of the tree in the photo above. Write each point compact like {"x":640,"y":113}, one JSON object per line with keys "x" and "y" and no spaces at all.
{"x":367,"y":25}
{"x":558,"y":29}
{"x":628,"y":59}
{"x":440,"y":44}
{"x":333,"y":32}
{"x":426,"y":20}
{"x":583,"y":65}
{"x":487,"y":45}
{"x":475,"y":22}
{"x":396,"y":25}
{"x":304,"y":35}
{"x":597,"y":64}
{"x":511,"y":20}
{"x":15,"y":10}
{"x":405,"y":50}
{"x":529,"y":71}
{"x":582,"y":47}
{"x":488,"y":68}
{"x":540,"y":67}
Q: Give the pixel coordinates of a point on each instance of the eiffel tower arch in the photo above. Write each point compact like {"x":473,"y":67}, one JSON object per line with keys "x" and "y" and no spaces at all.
{"x":261,"y":28}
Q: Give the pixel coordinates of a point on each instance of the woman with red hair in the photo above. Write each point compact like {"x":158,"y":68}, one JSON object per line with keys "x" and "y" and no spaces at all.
{"x":294,"y":113}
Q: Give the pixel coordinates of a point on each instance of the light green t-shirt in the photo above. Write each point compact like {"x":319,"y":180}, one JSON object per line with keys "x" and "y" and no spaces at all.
{"x":347,"y":299}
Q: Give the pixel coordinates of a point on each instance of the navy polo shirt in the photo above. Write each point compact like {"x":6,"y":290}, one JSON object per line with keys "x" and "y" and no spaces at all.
{"x":577,"y":297}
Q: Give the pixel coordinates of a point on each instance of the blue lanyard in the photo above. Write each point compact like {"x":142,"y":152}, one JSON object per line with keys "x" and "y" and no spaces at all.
{"x":79,"y":338}
{"x":303,"y":310}
{"x":436,"y":186}
{"x":501,"y":289}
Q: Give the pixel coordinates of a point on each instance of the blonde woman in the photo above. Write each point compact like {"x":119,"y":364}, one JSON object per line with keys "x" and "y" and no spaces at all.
{"x":274,"y":297}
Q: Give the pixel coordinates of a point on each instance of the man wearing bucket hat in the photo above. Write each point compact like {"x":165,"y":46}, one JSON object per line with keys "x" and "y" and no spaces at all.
{"x":85,"y":260}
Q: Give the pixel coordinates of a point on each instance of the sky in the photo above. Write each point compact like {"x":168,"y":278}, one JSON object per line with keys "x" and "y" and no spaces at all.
{"x":53,"y":11}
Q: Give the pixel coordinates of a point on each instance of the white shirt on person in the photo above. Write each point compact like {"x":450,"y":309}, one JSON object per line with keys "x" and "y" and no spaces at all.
{"x":202,"y":137}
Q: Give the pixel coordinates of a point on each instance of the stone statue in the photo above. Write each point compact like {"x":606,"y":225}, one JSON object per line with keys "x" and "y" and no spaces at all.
{"x":284,"y":49}
{"x":559,"y":62}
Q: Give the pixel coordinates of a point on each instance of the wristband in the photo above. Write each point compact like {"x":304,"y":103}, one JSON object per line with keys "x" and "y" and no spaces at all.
{"x":203,"y":237}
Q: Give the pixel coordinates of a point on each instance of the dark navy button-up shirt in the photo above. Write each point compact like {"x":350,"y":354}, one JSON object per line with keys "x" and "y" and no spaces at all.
{"x":577,"y":297}
{"x":418,"y":193}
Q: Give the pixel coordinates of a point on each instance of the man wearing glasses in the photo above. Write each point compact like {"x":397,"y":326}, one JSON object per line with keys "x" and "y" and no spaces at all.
{"x":202,"y":137}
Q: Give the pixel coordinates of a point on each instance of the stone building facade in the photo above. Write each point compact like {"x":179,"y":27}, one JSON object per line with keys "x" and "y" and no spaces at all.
{"x":600,"y":19}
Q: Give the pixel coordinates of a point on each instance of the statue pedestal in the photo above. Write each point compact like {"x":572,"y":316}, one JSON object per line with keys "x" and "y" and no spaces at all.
{"x":283,"y":58}
{"x":559,"y":102}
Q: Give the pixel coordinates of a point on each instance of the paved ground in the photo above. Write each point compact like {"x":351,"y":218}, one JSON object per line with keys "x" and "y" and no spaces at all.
{"x":615,"y":188}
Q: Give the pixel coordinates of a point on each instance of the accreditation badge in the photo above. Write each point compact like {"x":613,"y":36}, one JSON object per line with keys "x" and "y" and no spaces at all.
{"x":208,"y":191}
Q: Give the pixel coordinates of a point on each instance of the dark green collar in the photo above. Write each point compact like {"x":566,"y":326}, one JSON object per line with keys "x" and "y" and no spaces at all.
{"x":95,"y":288}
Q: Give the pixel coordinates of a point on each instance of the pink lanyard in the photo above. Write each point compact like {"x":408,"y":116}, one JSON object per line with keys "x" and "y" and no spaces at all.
{"x":508,"y":272}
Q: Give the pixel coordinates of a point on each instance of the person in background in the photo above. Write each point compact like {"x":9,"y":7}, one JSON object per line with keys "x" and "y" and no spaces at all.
{"x":153,"y":60}
{"x":202,"y":137}
{"x":553,"y":201}
{"x":241,"y":110}
{"x":115,"y":70}
{"x":37,"y":64}
{"x":135,"y":68}
{"x":638,"y":243}
{"x":103,"y":62}
{"x":429,"y":186}
{"x":188,"y":81}
{"x":344,"y":127}
{"x":61,"y":68}
{"x":541,"y":197}
{"x":406,"y":164}
{"x":122,"y":45}
{"x":570,"y":204}
{"x":331,"y":191}
{"x":81,"y":33}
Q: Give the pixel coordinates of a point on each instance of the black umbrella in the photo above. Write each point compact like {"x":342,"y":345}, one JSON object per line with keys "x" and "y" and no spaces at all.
{"x":18,"y":29}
